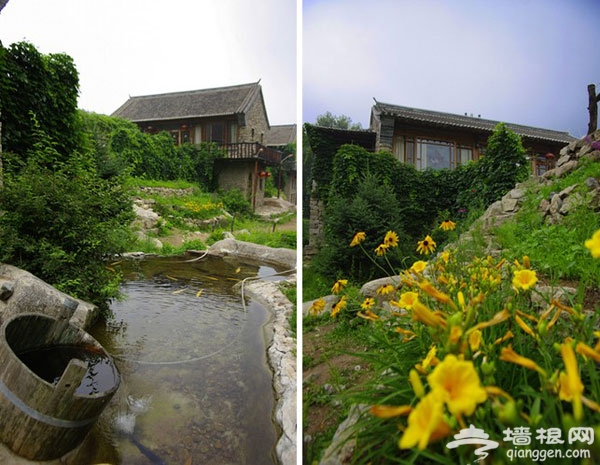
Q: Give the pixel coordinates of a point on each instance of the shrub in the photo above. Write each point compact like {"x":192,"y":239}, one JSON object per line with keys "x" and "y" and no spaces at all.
{"x":61,"y":221}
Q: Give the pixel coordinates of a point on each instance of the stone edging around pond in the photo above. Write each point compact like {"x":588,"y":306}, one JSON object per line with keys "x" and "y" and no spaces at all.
{"x":282,"y":359}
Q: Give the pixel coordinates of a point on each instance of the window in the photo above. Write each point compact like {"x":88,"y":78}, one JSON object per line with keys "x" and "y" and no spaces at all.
{"x":233,"y":136}
{"x":434,"y":154}
{"x":465,"y":155}
{"x":215,"y":132}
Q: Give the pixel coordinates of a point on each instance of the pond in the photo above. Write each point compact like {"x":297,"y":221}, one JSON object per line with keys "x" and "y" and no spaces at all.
{"x":196,"y":386}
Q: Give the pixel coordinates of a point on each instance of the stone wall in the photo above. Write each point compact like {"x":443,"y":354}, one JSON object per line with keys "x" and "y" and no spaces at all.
{"x":239,"y":174}
{"x":315,"y":232}
{"x":256,"y":119}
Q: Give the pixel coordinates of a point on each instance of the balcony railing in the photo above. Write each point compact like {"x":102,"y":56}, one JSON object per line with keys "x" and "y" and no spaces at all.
{"x":253,"y":150}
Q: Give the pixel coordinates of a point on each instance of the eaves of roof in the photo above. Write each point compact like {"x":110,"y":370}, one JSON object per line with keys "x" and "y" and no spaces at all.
{"x":450,"y":120}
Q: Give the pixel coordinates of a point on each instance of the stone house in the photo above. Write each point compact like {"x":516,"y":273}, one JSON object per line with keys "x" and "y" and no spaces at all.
{"x":279,"y":137}
{"x":433,"y":139}
{"x":233,"y":117}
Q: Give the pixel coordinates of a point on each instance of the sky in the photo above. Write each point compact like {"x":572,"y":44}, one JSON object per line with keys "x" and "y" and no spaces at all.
{"x":518,"y":61}
{"x":142,"y":47}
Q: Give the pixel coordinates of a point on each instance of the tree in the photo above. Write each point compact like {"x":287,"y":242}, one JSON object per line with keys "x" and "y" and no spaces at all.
{"x":42,"y":86}
{"x":329,"y":120}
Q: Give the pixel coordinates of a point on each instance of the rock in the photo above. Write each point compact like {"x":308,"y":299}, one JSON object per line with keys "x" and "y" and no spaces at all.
{"x":282,"y":359}
{"x":562,"y":160}
{"x":32,"y":295}
{"x":370,"y":289}
{"x":592,"y":183}
{"x":509,"y":205}
{"x":330,"y":301}
{"x":146,"y":218}
{"x":262,"y":254}
{"x":342,"y":446}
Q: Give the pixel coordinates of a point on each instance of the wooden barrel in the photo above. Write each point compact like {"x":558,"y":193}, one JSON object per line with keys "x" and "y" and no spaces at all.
{"x":44,"y":419}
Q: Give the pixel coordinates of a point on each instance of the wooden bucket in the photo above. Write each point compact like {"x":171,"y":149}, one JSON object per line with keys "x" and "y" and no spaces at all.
{"x":43,"y":420}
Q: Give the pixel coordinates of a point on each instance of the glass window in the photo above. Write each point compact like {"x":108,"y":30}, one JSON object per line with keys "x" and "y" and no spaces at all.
{"x":233,"y":132}
{"x":465,"y":155}
{"x":399,"y":148}
{"x":435,"y":154}
{"x":410,"y":151}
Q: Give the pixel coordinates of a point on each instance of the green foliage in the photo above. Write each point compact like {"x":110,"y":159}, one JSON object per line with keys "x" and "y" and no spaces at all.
{"x":61,"y":221}
{"x":43,"y":85}
{"x":235,"y":202}
{"x":329,"y":120}
{"x":408,"y":201}
{"x":373,"y":210}
{"x":503,"y":165}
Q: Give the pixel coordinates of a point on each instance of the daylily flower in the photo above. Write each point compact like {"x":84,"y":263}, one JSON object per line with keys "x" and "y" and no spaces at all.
{"x":447,"y":225}
{"x":587,"y":351}
{"x":458,"y":384}
{"x":368,"y":315}
{"x":407,"y":300}
{"x":339,"y":286}
{"x":524,"y":279}
{"x":426,"y":423}
{"x":593,"y":244}
{"x":390,"y":411}
{"x":438,"y":295}
{"x":418,"y":266}
{"x":475,"y":340}
{"x":425,"y":315}
{"x":570,"y":385}
{"x":407,"y":333}
{"x":499,"y":317}
{"x":358,"y":238}
{"x":507,"y":354}
{"x":426,"y":246}
{"x":417,"y":385}
{"x":391,"y":239}
{"x":524,"y":326}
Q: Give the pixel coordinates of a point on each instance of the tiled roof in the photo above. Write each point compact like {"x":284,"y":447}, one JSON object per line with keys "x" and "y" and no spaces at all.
{"x":468,"y":122}
{"x":280,"y":135}
{"x":220,"y":101}
{"x":339,"y":137}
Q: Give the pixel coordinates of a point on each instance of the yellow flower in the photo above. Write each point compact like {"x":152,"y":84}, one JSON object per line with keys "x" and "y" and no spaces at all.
{"x":391,"y":239}
{"x":368,"y":315}
{"x":407,"y":300}
{"x":447,"y":225}
{"x":358,"y":238}
{"x":458,"y":384}
{"x":455,"y":334}
{"x":438,"y":295}
{"x":524,"y":279}
{"x":524,"y":326}
{"x":587,"y":351}
{"x":506,"y":337}
{"x":594,"y":244}
{"x":385,"y":289}
{"x":390,"y":411}
{"x":571,"y":387}
{"x":426,"y":246}
{"x":408,"y":334}
{"x":317,"y":306}
{"x":368,"y":303}
{"x":507,"y":354}
{"x":339,"y":285}
{"x":339,"y":306}
{"x":430,"y":358}
{"x":381,"y":249}
{"x":475,"y":340}
{"x":417,"y":385}
{"x":445,"y":256}
{"x":418,"y":266}
{"x":499,"y":317}
{"x":425,"y":315}
{"x":426,"y":423}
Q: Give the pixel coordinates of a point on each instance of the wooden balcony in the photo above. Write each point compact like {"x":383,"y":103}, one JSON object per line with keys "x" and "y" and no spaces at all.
{"x":253,"y":150}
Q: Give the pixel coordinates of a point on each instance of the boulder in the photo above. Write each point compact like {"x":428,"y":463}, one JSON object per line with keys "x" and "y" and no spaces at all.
{"x":256,"y":253}
{"x":22,"y":292}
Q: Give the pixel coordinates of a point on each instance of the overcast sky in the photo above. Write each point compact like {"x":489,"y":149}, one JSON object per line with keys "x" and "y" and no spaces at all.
{"x":140,"y":47}
{"x":518,"y":61}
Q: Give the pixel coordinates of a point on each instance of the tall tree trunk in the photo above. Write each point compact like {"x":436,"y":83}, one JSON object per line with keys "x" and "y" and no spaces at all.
{"x":593,"y":108}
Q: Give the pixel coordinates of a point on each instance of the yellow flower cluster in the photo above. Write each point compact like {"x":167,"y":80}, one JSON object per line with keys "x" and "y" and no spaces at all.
{"x":203,"y":207}
{"x":471,"y":314}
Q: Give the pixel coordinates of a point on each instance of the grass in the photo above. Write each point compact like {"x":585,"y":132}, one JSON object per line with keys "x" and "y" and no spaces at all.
{"x":194,"y":212}
{"x":556,"y":253}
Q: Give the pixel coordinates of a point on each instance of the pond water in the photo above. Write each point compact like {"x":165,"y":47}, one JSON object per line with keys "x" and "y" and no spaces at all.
{"x":195,"y":384}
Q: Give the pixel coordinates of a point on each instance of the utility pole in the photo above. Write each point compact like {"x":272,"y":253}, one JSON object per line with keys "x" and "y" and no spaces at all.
{"x":593,"y":108}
